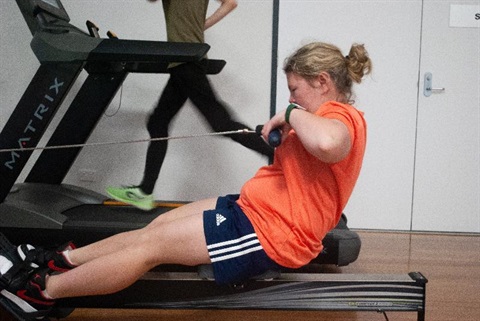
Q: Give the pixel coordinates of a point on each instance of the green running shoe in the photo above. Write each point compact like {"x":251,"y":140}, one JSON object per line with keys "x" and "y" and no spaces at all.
{"x":132,"y":195}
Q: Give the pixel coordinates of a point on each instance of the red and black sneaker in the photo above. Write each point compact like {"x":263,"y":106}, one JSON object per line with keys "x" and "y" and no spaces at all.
{"x":53,"y":259}
{"x":26,"y":295}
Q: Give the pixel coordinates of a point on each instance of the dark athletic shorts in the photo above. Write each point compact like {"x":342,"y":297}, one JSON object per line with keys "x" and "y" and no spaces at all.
{"x":232,"y":244}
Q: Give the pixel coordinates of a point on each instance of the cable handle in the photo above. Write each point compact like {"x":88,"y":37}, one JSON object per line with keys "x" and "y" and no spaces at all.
{"x":274,"y":137}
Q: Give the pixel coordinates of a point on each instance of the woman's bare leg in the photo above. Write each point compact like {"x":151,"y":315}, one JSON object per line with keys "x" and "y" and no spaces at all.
{"x":117,"y":262}
{"x":122,"y":240}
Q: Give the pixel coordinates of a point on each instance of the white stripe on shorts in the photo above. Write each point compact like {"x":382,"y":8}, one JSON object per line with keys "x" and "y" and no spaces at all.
{"x":234,"y":248}
{"x":237,"y":254}
{"x":243,"y":238}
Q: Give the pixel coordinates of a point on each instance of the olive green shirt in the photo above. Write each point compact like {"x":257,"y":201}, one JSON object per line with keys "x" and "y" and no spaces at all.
{"x":185,"y":20}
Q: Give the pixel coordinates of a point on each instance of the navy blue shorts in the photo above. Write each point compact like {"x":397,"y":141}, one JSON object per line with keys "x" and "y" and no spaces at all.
{"x":232,"y":244}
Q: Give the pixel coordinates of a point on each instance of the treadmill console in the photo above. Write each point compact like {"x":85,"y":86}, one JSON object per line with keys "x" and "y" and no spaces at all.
{"x":51,"y":7}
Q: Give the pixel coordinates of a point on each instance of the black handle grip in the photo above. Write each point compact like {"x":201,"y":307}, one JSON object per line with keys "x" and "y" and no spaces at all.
{"x":93,"y":29}
{"x":274,"y":137}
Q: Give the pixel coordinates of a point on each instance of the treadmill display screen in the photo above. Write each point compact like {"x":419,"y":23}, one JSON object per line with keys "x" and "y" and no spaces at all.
{"x":52,"y":7}
{"x":53,"y":3}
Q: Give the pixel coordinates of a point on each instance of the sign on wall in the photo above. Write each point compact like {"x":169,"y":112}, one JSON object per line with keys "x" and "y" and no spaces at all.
{"x":464,"y":16}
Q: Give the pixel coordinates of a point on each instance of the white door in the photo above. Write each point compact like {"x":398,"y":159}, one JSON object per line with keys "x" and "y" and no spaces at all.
{"x":447,"y":166}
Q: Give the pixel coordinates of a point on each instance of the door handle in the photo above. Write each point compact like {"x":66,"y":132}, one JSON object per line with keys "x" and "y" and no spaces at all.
{"x":427,"y":86}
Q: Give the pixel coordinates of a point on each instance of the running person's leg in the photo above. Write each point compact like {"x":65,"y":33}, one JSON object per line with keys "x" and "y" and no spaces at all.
{"x":170,"y":102}
{"x":198,"y":88}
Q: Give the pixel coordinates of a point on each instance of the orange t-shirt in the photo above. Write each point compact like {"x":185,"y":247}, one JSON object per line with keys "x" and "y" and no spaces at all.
{"x":293,"y":203}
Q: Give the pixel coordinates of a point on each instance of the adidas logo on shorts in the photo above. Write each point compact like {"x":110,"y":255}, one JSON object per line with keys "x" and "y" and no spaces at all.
{"x":220,"y":219}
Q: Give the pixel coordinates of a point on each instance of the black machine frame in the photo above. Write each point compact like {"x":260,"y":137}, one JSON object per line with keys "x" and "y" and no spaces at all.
{"x":42,"y":210}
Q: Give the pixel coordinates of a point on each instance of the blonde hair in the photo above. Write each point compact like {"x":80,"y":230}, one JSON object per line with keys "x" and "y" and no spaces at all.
{"x":317,"y":57}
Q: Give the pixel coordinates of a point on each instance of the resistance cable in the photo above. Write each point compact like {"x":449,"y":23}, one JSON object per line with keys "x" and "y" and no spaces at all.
{"x":274,"y":140}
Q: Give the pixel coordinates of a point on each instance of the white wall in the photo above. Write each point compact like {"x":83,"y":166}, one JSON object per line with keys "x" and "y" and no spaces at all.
{"x":17,"y":60}
{"x":195,"y":168}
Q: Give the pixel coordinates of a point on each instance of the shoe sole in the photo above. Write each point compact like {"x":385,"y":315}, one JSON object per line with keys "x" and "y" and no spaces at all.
{"x":144,"y":208}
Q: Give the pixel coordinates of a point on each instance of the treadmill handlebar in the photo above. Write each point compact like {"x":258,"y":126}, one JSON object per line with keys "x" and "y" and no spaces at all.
{"x":71,"y":46}
{"x":147,"y":51}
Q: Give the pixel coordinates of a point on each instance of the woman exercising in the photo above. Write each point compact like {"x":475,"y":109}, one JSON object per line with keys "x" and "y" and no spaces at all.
{"x":278,"y":220}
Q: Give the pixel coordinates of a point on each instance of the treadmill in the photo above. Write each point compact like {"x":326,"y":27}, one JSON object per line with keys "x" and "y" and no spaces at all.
{"x":43,"y":211}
